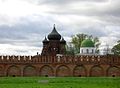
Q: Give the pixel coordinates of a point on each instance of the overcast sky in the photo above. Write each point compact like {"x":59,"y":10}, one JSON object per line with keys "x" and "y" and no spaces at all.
{"x":25,"y":23}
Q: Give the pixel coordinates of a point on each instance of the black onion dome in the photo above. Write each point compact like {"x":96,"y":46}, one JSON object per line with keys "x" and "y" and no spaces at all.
{"x":54,"y":35}
{"x":45,"y":40}
{"x":62,"y":40}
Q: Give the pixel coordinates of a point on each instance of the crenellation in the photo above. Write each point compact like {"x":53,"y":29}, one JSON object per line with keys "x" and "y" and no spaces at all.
{"x":22,"y":59}
{"x":27,"y":59}
{"x":7,"y":57}
{"x":43,"y":59}
{"x":62,"y":59}
{"x":93,"y":61}
{"x":4,"y":58}
{"x":16,"y":59}
{"x":51,"y":61}
{"x":10,"y":59}
{"x":39,"y":58}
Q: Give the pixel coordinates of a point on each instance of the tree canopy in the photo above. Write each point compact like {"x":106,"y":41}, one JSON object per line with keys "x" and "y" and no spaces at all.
{"x":116,"y":48}
{"x":78,"y":38}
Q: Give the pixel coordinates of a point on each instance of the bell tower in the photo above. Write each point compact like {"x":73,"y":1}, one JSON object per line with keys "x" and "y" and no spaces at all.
{"x":53,"y":44}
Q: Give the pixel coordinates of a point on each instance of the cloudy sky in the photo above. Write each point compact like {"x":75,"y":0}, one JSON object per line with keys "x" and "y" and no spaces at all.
{"x":25,"y":23}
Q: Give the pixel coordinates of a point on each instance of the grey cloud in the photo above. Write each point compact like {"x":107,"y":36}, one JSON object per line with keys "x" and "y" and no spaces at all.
{"x":58,"y":2}
{"x":90,"y":30}
{"x":108,"y":10}
{"x":21,"y":34}
{"x":108,"y":14}
{"x":27,"y":32}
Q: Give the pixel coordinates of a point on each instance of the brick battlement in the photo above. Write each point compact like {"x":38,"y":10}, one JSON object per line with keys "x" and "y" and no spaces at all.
{"x":84,"y":59}
{"x":84,"y":65}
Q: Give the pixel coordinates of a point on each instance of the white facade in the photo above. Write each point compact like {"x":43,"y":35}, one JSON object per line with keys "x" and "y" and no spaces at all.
{"x":104,"y":49}
{"x":87,"y":50}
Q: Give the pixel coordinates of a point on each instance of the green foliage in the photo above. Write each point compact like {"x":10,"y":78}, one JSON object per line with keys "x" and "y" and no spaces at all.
{"x":57,"y":82}
{"x":78,"y":38}
{"x":69,"y":50}
{"x":116,"y":49}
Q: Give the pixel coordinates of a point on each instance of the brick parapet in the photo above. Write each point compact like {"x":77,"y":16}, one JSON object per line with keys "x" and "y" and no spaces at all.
{"x":109,"y":59}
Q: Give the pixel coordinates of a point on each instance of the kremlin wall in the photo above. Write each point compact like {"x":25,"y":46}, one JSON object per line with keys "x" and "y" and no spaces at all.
{"x":53,"y":62}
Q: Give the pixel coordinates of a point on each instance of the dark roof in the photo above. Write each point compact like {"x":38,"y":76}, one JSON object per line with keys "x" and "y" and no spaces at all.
{"x":62,"y":40}
{"x":54,"y":35}
{"x":45,"y":40}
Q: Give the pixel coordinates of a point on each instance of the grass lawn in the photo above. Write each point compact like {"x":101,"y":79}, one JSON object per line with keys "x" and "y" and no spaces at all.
{"x":56,"y":82}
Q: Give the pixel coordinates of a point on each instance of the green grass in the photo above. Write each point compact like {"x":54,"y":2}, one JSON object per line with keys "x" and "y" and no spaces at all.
{"x":67,"y":82}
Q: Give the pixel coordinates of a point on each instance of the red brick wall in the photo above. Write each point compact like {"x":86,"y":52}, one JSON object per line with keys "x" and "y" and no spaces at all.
{"x":62,"y":66}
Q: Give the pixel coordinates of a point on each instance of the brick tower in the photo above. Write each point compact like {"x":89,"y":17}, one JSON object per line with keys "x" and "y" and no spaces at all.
{"x":53,"y":44}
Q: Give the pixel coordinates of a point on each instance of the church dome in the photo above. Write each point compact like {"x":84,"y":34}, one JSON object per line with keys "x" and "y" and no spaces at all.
{"x":54,"y":35}
{"x":45,"y":40}
{"x":63,"y":41}
{"x":87,"y":43}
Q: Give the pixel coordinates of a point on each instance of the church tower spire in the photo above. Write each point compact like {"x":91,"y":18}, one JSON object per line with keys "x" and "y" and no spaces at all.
{"x":54,"y":45}
{"x":54,"y":35}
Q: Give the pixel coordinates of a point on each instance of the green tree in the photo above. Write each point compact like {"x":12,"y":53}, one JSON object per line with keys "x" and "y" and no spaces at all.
{"x":69,"y":49}
{"x":97,"y":43}
{"x":78,"y":38}
{"x":116,"y":48}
